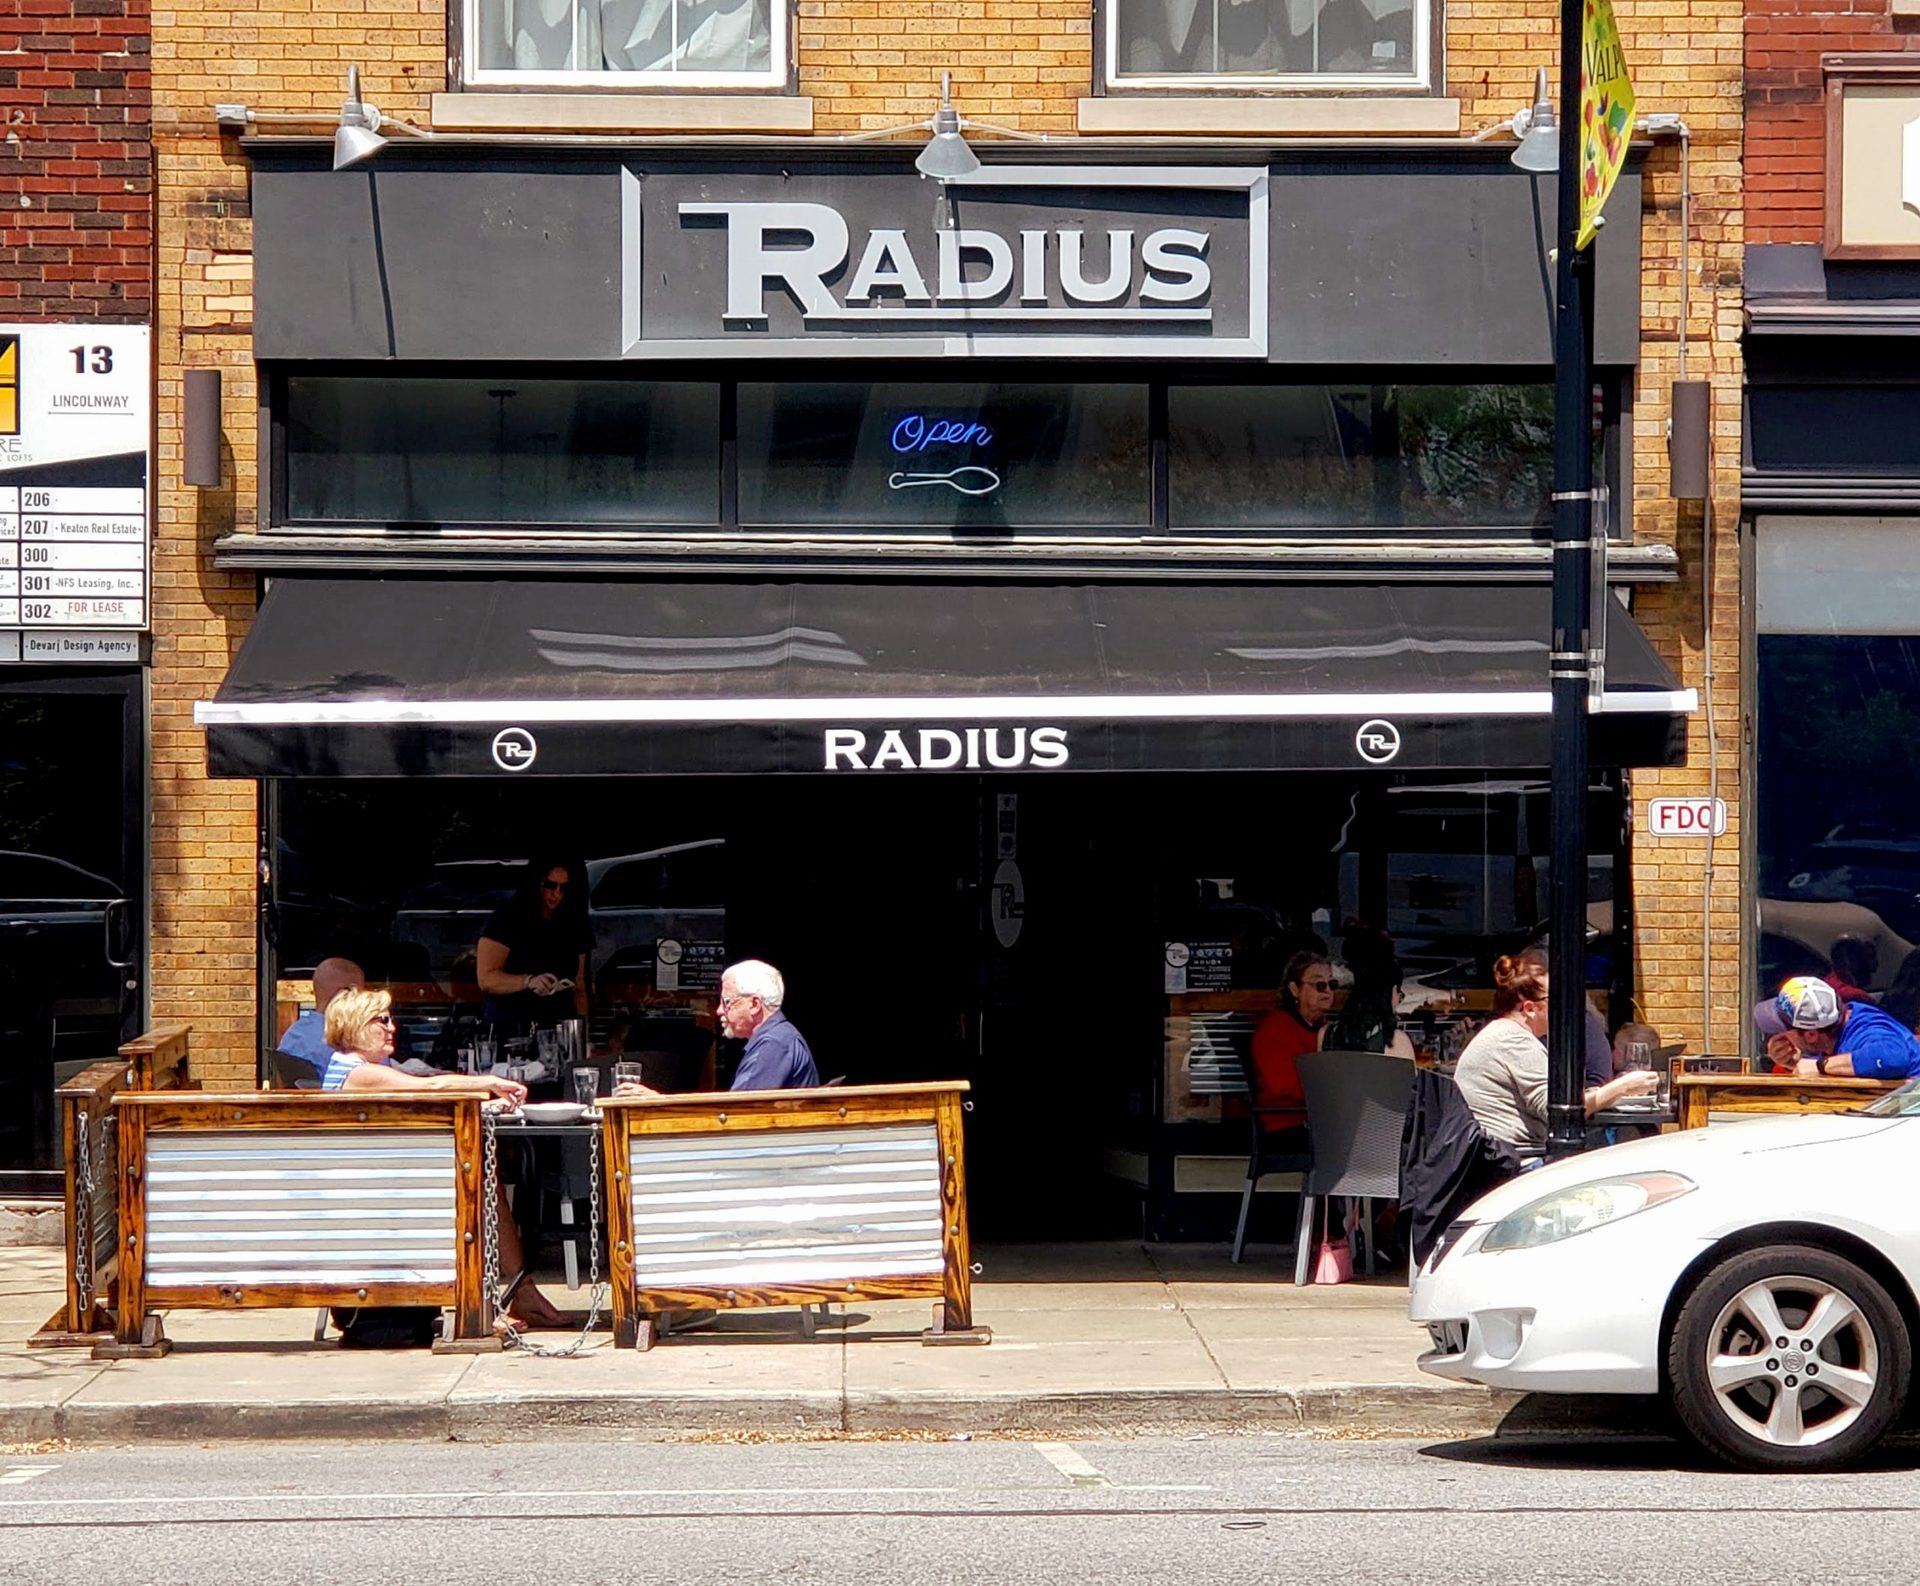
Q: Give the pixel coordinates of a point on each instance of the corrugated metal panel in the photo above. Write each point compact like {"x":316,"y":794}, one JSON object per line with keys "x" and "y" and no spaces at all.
{"x":253,"y":1207}
{"x":772,"y":1207}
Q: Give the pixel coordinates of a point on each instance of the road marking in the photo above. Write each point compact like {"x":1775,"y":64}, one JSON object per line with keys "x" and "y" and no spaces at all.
{"x":1069,"y":1462}
{"x":214,"y":1499}
{"x":14,"y":1475}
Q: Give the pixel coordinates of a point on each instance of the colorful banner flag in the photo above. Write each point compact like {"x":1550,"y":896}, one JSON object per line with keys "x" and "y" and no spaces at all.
{"x":1606,"y":113}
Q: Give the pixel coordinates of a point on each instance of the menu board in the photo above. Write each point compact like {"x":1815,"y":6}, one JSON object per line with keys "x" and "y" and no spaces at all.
{"x":75,"y":431}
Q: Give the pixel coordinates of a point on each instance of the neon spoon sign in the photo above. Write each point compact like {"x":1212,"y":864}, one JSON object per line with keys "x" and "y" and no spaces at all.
{"x":916,"y":432}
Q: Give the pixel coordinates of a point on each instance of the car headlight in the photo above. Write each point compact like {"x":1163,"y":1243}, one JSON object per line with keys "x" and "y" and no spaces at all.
{"x":1584,"y":1207}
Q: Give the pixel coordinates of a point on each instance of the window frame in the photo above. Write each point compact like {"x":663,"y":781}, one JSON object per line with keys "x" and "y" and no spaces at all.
{"x":1427,"y":79}
{"x":1615,"y":411}
{"x":463,"y":22}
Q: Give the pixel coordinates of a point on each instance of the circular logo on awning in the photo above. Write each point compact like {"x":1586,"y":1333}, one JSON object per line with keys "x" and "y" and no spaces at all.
{"x":1378,"y":741}
{"x":514,"y":749}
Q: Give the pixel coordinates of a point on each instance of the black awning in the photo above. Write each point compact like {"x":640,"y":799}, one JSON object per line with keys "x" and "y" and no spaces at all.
{"x":423,"y":677}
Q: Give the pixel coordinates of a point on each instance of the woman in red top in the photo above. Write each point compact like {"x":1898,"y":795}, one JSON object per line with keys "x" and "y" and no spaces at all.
{"x":1306,"y":998}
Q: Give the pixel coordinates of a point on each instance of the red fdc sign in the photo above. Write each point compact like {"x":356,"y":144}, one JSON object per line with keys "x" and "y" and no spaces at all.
{"x":1686,"y":817}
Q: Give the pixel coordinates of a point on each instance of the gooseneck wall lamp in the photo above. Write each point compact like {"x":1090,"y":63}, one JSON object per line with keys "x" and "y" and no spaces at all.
{"x":948,"y":157}
{"x":359,"y":133}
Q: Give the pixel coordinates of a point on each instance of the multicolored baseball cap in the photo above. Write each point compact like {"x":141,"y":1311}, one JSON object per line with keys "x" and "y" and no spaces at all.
{"x":1804,"y":1003}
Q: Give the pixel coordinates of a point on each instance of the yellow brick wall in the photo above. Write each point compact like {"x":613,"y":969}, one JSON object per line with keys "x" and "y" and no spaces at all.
{"x":867,"y":64}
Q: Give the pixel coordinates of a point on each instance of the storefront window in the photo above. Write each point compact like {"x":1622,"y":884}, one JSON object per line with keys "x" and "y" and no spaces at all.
{"x":1360,"y":456}
{"x":594,"y":453}
{"x":1838,"y":719}
{"x":945,"y":456}
{"x":1857,"y":429}
{"x":1308,"y":43}
{"x":599,"y":43}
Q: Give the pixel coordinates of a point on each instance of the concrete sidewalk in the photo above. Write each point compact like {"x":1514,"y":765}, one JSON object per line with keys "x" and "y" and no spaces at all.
{"x":1087,"y":1339}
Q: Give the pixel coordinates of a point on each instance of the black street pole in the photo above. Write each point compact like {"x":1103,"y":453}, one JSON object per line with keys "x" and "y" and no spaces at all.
{"x":1568,"y":663}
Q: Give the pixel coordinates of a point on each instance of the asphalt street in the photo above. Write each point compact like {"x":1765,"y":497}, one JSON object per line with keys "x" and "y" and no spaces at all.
{"x":1262,"y":1509}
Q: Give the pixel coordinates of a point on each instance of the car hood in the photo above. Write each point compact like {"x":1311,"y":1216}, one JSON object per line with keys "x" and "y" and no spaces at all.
{"x":1697,"y":1154}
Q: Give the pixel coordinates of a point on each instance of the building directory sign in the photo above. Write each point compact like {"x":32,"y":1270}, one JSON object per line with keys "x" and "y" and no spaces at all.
{"x":75,"y":435}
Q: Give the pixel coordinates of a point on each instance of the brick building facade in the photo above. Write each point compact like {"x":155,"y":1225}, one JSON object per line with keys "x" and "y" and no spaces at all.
{"x":78,"y":97}
{"x":77,"y":267}
{"x":1035,"y":67}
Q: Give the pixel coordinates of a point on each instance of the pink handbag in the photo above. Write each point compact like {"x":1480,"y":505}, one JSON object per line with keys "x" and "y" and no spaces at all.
{"x":1334,"y":1264}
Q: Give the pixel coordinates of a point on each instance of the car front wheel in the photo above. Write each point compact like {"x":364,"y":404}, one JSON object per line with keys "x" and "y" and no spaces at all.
{"x":1789,"y":1358}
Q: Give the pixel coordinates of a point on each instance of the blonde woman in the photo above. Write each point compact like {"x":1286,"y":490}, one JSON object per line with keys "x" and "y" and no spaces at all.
{"x":359,"y":1033}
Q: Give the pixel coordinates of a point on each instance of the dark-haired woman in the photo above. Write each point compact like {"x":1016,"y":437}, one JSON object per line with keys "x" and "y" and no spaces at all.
{"x":532,"y":955}
{"x":1503,"y":1071}
{"x":1370,"y":1019}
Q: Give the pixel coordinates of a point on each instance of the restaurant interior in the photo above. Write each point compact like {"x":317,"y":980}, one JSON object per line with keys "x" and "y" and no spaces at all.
{"x":1014,"y":932}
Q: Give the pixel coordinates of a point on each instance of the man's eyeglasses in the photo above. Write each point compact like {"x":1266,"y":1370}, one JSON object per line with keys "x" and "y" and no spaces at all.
{"x":732,"y":997}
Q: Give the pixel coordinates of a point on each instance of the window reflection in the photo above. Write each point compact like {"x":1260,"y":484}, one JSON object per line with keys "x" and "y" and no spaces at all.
{"x":506,"y":450}
{"x":1360,"y":456}
{"x":1266,"y":38}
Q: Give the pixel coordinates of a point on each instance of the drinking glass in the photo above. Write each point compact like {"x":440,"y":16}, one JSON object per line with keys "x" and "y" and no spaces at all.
{"x":586,"y":1086}
{"x":628,"y":1073}
{"x":547,"y":1044}
{"x":1640,"y":1057}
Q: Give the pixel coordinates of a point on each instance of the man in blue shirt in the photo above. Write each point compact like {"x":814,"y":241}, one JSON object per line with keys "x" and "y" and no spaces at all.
{"x":1840,"y":1038}
{"x":305,"y":1040}
{"x":777,"y":1056}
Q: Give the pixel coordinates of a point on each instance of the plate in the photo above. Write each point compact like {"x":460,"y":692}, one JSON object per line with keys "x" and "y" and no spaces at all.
{"x":552,"y":1111}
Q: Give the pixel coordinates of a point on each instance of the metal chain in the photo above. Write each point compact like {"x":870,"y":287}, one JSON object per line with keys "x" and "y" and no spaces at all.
{"x":83,"y":1215}
{"x":490,"y":1220}
{"x":510,"y":1335}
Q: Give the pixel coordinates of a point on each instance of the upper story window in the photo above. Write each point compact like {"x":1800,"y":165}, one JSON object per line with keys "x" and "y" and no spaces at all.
{"x":1242,"y":44}
{"x":626,"y":43}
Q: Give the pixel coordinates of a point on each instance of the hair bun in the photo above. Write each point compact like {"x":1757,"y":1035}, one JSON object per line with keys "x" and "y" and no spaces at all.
{"x":1506,"y":970}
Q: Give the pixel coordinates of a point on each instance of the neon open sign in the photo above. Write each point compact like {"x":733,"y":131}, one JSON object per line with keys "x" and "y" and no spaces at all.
{"x":916,"y":432}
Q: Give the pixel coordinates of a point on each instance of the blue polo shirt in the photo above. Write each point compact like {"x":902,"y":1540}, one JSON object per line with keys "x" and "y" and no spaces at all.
{"x":1880,"y":1045}
{"x":777,"y":1058}
{"x":306,"y":1041}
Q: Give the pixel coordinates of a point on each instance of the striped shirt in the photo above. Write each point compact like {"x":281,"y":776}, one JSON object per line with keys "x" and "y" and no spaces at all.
{"x":339,"y":1066}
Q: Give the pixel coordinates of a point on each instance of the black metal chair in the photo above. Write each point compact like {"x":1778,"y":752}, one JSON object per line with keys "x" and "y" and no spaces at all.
{"x":292,"y":1073}
{"x":1267,"y":1153}
{"x":1356,"y":1112}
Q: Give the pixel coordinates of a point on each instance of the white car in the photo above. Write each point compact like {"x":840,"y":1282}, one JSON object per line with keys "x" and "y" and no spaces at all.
{"x":1762,"y":1274}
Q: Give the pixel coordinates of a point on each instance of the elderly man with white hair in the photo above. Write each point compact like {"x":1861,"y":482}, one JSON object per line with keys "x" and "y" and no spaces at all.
{"x":777,"y":1056}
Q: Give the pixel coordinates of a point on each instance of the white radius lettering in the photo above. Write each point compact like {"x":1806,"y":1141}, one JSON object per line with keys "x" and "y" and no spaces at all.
{"x":751,"y":262}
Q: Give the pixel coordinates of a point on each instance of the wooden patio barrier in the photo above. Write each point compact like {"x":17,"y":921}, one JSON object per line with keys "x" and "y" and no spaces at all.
{"x":295,"y":1199}
{"x":1699,"y":1098}
{"x":91,"y":1208}
{"x":158,"y":1058}
{"x":788,"y":1197}
{"x":155,"y":1060}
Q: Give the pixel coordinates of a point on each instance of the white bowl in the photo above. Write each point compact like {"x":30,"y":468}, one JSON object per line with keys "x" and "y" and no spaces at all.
{"x":552,"y":1111}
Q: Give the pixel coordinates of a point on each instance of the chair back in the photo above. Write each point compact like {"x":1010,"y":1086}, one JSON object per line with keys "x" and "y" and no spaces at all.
{"x":292,"y":1073}
{"x":1356,"y":1110}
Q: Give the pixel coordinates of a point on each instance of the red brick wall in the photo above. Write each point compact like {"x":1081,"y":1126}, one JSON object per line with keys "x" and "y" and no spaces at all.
{"x":1786,"y":104}
{"x":76,"y":150}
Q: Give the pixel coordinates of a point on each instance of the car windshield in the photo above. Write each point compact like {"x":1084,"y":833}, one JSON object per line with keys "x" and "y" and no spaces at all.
{"x":1901,"y":1103}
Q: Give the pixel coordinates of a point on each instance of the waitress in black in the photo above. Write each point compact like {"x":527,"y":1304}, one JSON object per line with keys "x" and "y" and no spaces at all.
{"x":532,"y":955}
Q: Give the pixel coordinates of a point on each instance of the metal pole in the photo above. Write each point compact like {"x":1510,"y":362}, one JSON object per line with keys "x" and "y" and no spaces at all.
{"x":1568,"y":668}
